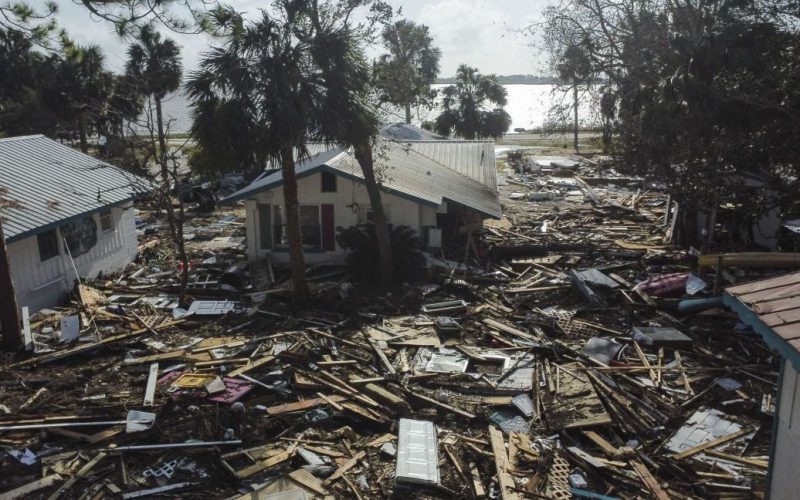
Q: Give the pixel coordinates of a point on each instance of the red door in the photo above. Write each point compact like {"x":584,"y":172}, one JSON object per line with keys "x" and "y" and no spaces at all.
{"x":328,"y":229}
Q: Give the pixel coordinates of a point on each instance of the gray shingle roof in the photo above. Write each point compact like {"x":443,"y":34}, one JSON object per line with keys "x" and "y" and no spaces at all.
{"x":45,"y":183}
{"x":405,"y":172}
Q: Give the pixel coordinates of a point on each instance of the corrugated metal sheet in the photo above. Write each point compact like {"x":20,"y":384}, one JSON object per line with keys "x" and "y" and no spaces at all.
{"x":403,"y":171}
{"x":48,"y":183}
{"x":475,"y":159}
{"x":417,"y":455}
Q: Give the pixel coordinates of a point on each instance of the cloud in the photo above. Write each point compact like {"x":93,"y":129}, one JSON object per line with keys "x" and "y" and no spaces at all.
{"x":480,"y":33}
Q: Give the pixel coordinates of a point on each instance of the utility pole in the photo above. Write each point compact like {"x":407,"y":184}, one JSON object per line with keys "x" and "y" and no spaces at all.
{"x":9,"y":312}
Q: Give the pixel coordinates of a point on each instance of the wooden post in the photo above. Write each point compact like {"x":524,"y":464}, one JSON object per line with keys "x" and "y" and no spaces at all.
{"x":9,"y":312}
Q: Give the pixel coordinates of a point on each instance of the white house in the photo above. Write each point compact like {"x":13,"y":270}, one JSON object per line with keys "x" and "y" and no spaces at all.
{"x":434,"y":187}
{"x":772,"y":308}
{"x":63,"y":212}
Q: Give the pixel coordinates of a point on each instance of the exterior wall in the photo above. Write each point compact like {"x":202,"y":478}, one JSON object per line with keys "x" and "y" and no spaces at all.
{"x":784,"y":480}
{"x":348,"y":194}
{"x":44,"y":284}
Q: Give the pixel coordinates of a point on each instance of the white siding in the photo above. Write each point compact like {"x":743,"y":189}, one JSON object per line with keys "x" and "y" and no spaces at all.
{"x":44,"y":284}
{"x":348,"y":193}
{"x":785,"y":482}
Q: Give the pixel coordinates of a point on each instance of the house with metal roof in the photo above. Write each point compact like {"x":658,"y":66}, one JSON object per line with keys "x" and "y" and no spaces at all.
{"x":772,"y":308}
{"x":65,"y":214}
{"x":434,"y":187}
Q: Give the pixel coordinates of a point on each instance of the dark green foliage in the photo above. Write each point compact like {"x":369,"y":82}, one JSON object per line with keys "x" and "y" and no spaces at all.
{"x":363,"y":259}
{"x":467,"y":107}
{"x":404,"y":75}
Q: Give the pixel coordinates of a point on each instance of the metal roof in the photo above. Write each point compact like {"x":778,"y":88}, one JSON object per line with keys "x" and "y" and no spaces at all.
{"x":475,"y":159}
{"x":45,"y":184}
{"x":404,"y":172}
{"x":771,"y":307}
{"x":406,"y":132}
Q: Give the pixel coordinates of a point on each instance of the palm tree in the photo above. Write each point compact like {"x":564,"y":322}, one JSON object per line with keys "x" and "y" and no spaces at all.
{"x":406,"y":73}
{"x":467,"y":107}
{"x":277,"y":84}
{"x":82,"y":86}
{"x":574,"y":69}
{"x":155,"y":68}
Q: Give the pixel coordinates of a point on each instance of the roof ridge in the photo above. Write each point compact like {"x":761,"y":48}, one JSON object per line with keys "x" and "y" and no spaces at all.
{"x":21,"y":138}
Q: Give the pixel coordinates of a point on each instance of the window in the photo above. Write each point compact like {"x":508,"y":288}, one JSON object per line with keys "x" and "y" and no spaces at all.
{"x":309,"y":227}
{"x":106,"y":222}
{"x":328,"y":182}
{"x":48,"y":245}
{"x":365,"y":214}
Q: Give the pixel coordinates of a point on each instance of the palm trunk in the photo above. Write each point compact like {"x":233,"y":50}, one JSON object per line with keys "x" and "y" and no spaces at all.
{"x":82,"y":131}
{"x":9,"y":313}
{"x":408,"y":113}
{"x":175,"y":222}
{"x":299,"y":280}
{"x":575,"y":99}
{"x":364,"y":158}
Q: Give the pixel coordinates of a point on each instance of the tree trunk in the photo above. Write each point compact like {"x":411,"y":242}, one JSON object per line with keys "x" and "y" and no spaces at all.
{"x":408,"y":113}
{"x":364,"y":157}
{"x":175,"y":222}
{"x":82,"y":131}
{"x":575,"y":106}
{"x":298,"y":262}
{"x":9,"y":313}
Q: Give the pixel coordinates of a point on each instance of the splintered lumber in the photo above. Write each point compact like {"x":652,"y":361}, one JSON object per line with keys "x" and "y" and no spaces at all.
{"x":340,"y":385}
{"x":379,"y":353}
{"x":80,"y":474}
{"x":252,"y":366}
{"x":649,"y":481}
{"x":685,"y":381}
{"x":303,"y":405}
{"x":443,"y":405}
{"x":344,"y":468}
{"x":266,"y":464}
{"x":715,"y":442}
{"x":607,"y":447}
{"x":760,"y":464}
{"x":330,"y":401}
{"x":507,"y":485}
{"x":453,"y":459}
{"x":644,"y":360}
{"x":477,"y":485}
{"x":28,"y":489}
{"x":508,"y":329}
{"x":381,"y":393}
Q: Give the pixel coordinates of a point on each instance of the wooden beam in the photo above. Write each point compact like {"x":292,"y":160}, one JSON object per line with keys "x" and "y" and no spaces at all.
{"x":302,"y":405}
{"x":507,"y":485}
{"x":345,"y":467}
{"x":649,"y":481}
{"x":150,"y":391}
{"x":715,"y":442}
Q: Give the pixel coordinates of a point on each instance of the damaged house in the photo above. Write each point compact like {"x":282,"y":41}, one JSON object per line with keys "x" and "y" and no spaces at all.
{"x":439,"y":188}
{"x":64,"y":214}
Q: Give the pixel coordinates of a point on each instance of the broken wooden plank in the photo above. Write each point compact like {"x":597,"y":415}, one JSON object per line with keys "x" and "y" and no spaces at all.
{"x":607,"y":447}
{"x":303,"y":405}
{"x":649,"y":481}
{"x":714,"y":442}
{"x":477,"y":485}
{"x":344,"y":468}
{"x":28,"y":489}
{"x":507,"y":485}
{"x":443,"y":405}
{"x":150,"y":391}
{"x":759,"y":464}
{"x":80,"y":474}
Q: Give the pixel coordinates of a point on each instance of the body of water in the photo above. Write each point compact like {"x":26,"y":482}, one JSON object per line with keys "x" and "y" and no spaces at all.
{"x":528,"y":105}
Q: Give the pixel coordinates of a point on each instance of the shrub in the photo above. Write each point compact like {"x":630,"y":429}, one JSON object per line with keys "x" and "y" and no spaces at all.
{"x":363,"y":258}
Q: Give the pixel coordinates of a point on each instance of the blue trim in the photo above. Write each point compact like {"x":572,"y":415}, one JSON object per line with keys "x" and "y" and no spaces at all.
{"x":774,"y":437}
{"x":771,"y":338}
{"x":59,"y":223}
{"x":325,"y":168}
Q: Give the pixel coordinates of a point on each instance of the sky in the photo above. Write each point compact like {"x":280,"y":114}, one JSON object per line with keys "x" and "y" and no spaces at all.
{"x":482,"y":33}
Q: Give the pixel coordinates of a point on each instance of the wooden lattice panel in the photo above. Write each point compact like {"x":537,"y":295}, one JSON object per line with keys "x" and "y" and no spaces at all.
{"x":558,"y":479}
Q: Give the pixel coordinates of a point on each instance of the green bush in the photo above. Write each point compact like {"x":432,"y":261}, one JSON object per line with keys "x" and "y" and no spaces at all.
{"x":363,"y":259}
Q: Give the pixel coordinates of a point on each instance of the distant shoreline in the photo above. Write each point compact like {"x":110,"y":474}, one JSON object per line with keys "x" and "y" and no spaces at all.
{"x":511,"y":80}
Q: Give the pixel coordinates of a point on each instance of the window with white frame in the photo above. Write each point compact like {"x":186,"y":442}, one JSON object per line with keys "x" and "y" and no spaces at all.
{"x":310,"y":231}
{"x":106,"y":221}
